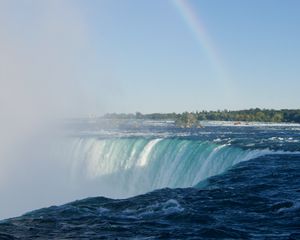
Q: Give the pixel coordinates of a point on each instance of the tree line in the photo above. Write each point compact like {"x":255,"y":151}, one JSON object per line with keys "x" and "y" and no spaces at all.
{"x":249,"y":115}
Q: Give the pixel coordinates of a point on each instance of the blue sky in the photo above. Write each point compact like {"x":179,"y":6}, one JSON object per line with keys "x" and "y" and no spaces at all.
{"x":127,"y":56}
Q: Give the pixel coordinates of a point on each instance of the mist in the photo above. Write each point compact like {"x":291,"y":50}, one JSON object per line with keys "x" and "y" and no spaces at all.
{"x":44,"y":56}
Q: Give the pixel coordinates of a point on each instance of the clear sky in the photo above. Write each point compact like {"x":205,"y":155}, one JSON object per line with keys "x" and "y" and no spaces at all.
{"x":152,"y":56}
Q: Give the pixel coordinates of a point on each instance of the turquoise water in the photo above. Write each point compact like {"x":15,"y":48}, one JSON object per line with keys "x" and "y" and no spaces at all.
{"x":156,"y":181}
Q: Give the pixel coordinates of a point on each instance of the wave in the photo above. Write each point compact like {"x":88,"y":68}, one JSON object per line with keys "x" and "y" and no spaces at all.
{"x":129,"y":166}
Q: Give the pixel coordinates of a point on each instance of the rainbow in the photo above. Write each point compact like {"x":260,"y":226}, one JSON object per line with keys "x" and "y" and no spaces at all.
{"x":195,"y":24}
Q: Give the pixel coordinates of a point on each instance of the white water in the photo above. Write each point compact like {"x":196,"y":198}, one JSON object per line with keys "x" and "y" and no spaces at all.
{"x":129,"y":166}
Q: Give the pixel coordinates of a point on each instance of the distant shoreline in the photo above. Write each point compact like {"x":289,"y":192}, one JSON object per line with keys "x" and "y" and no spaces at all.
{"x":191,"y":118}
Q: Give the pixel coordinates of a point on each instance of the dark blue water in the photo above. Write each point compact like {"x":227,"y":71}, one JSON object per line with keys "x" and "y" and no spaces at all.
{"x":254,"y":199}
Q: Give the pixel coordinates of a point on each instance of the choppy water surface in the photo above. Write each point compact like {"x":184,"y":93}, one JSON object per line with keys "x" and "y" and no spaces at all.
{"x":215,"y":182}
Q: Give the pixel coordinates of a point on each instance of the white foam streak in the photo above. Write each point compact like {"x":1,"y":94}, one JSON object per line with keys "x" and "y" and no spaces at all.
{"x":144,"y":157}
